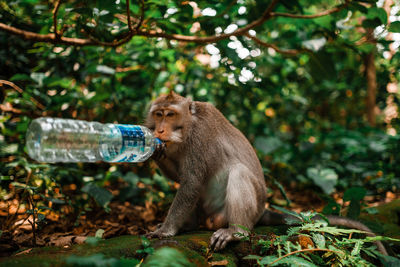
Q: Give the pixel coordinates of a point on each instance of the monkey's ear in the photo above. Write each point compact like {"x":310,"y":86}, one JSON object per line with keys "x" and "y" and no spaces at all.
{"x":192,"y":107}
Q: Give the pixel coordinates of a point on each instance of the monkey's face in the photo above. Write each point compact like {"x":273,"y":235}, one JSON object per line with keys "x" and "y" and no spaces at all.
{"x":170,"y":118}
{"x":168,"y":123}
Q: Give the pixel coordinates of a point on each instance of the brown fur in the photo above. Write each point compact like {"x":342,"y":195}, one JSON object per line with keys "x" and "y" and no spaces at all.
{"x":222,"y":182}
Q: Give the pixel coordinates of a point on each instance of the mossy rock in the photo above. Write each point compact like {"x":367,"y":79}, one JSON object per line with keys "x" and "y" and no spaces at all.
{"x":193,"y":246}
{"x":386,"y":217}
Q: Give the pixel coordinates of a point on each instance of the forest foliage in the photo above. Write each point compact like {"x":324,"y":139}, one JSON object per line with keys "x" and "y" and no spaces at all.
{"x":297,"y":82}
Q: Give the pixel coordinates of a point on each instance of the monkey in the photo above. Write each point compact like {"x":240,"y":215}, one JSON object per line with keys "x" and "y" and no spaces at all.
{"x":222,"y":184}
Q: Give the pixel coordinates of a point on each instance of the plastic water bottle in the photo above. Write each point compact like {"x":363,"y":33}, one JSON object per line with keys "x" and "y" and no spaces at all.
{"x":66,"y":140}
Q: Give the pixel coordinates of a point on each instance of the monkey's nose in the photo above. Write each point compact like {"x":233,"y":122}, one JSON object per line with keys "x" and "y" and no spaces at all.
{"x":160,"y":131}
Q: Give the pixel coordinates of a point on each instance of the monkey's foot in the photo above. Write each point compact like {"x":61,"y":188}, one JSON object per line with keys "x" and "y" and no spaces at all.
{"x":161,"y":233}
{"x":221,"y":237}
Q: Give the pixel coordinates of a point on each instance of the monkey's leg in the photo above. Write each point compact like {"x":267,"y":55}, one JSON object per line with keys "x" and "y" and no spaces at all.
{"x":193,"y":222}
{"x":241,"y":206}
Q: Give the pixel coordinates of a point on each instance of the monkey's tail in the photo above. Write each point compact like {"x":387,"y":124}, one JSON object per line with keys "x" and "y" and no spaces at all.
{"x":274,"y":218}
{"x":349,"y":223}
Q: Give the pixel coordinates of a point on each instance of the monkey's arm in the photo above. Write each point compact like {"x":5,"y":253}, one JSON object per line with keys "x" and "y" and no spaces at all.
{"x":168,"y":168}
{"x":181,"y":209}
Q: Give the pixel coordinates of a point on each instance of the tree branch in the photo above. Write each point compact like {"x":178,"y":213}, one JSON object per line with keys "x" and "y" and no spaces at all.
{"x":288,"y":52}
{"x":128,"y":15}
{"x":313,"y":16}
{"x":48,"y":38}
{"x":215,"y":38}
{"x":55,"y":11}
{"x":268,"y":14}
{"x":19,"y":90}
{"x":141,"y":19}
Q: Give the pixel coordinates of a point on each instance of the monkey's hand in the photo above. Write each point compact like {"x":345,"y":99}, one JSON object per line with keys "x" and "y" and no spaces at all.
{"x":222,"y":237}
{"x":159,"y":152}
{"x":162,"y":232}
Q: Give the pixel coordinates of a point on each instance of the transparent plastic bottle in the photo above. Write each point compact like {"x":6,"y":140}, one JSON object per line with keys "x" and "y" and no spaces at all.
{"x":66,"y":140}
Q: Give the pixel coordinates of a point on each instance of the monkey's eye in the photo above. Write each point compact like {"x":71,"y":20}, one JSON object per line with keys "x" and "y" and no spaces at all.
{"x":170,"y":114}
{"x":159,"y":114}
{"x":178,"y":128}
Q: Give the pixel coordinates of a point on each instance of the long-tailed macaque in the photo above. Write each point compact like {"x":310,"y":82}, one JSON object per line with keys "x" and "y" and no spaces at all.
{"x":222,"y":183}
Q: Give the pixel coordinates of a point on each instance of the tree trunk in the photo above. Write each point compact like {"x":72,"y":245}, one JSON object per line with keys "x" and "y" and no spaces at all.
{"x":370,"y":70}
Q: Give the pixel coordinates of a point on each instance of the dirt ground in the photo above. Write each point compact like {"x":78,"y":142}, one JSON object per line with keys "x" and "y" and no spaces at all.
{"x":63,"y":229}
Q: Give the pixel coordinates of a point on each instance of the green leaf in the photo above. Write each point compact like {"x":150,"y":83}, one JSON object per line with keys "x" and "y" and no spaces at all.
{"x":366,"y":48}
{"x":40,"y":217}
{"x":20,"y":77}
{"x":394,"y":26}
{"x":99,"y":233}
{"x":167,"y":256}
{"x":31,"y":189}
{"x":38,"y":77}
{"x":371,"y":210}
{"x":376,"y":12}
{"x":101,"y":195}
{"x":252,"y":257}
{"x":354,"y":193}
{"x":319,"y":240}
{"x":44,"y":208}
{"x":31,"y":1}
{"x":294,"y":261}
{"x":377,"y":146}
{"x":268,"y":260}
{"x":357,"y":248}
{"x":380,"y":238}
{"x":361,"y":8}
{"x":131,"y":178}
{"x":8,"y":149}
{"x":371,"y":23}
{"x":64,"y":83}
{"x":267,"y":144}
{"x":322,"y":228}
{"x":56,"y":201}
{"x":289,"y":212}
{"x":325,"y":178}
{"x":145,"y":241}
{"x":325,"y":21}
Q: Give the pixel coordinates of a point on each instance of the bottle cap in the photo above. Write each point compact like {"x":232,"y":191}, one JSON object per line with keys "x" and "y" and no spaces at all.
{"x":158,"y":141}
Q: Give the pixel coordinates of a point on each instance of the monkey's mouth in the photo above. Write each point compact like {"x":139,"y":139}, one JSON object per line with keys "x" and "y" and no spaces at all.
{"x":168,"y":142}
{"x":165,"y":142}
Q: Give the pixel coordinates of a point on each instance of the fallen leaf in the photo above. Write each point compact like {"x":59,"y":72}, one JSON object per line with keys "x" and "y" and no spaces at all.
{"x":80,"y":239}
{"x":219,"y":263}
{"x":24,"y":252}
{"x":61,"y":241}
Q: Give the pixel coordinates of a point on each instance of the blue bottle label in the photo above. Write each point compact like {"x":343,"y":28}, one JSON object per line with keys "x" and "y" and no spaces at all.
{"x":132,"y":140}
